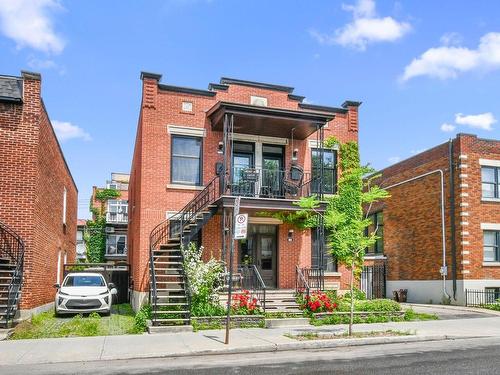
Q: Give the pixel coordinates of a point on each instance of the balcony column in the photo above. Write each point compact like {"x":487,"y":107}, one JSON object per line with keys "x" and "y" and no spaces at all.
{"x":258,"y":166}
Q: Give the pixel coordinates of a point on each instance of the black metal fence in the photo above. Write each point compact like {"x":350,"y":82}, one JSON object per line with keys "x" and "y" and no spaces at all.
{"x":373,"y":281}
{"x":482,"y":297}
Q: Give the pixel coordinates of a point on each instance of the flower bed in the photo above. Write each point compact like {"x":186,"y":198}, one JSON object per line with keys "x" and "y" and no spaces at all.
{"x":244,"y":304}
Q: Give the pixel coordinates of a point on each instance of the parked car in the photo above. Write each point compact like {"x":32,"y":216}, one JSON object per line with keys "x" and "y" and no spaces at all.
{"x":84,"y":293}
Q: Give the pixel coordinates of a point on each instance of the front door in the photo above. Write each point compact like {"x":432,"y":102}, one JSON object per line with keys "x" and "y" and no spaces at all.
{"x":260,"y":248}
{"x":243,"y":160}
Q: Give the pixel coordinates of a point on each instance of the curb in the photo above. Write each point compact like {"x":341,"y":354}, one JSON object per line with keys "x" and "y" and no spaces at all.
{"x":292,"y":346}
{"x":452,"y":307}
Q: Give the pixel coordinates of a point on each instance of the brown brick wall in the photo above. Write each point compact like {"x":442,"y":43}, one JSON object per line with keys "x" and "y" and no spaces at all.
{"x":150,"y":197}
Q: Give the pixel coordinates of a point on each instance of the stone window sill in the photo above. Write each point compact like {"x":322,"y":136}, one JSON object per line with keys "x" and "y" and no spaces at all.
{"x":490,"y":200}
{"x":491,"y":264}
{"x":185,"y":187}
{"x":374,"y":256}
{"x":338,"y":274}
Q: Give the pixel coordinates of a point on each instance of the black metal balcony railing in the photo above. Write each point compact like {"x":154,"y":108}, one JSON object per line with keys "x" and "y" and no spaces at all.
{"x":269,"y":183}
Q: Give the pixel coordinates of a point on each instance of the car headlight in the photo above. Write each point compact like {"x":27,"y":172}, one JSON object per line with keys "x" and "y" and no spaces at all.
{"x":60,"y":301}
{"x":106,"y":299}
{"x":63,"y":294}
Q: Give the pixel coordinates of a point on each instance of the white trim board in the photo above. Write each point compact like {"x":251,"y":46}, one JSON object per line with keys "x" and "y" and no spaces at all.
{"x":260,"y":138}
{"x":490,"y":226}
{"x":186,"y":130}
{"x":489,"y":162}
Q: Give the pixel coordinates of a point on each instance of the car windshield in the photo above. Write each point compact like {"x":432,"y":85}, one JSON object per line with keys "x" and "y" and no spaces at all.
{"x":84,"y":280}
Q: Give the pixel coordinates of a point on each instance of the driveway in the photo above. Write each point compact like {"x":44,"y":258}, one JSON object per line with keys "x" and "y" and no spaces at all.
{"x":446,"y":312}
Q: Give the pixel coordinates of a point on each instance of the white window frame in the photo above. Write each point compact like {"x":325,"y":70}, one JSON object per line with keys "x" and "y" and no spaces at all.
{"x":187,"y":106}
{"x":255,"y":98}
{"x":116,"y":242}
{"x":65,"y":206}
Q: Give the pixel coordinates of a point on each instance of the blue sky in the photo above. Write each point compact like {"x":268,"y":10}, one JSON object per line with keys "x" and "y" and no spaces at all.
{"x":424,"y":72}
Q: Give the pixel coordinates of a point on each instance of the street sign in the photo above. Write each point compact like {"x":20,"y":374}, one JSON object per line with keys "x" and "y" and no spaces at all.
{"x":240,"y":226}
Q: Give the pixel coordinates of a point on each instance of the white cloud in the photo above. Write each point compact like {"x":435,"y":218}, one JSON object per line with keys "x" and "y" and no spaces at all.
{"x":482,"y":121}
{"x":66,"y":130}
{"x":394,"y":159}
{"x":447,"y":127}
{"x":41,"y":64}
{"x":451,"y":39}
{"x":449,"y":61}
{"x":29,"y":24}
{"x":365,"y":28}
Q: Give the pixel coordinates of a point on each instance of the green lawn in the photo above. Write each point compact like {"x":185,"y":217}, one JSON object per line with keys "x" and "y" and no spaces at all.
{"x":46,"y":325}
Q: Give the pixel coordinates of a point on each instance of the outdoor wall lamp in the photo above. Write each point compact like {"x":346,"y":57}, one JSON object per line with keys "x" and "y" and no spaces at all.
{"x":295,"y":154}
{"x":220,"y":148}
{"x":290,"y":235}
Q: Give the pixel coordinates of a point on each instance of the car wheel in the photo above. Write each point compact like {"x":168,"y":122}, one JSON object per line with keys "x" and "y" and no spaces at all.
{"x":56,"y":314}
{"x":106,"y":313}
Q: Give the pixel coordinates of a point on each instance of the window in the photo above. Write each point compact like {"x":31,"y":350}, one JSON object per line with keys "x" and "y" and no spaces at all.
{"x":258,"y":100}
{"x":491,"y":246}
{"x":329,"y":170}
{"x":490,"y":178}
{"x":65,"y":205}
{"x":84,"y":280}
{"x":324,"y":261}
{"x":186,"y":160}
{"x":116,"y":244}
{"x":492,"y":294}
{"x":378,"y":226}
{"x":117,"y":211}
{"x":187,"y":106}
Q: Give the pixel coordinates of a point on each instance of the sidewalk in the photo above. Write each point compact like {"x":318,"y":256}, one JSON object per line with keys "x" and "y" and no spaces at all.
{"x":242,"y":341}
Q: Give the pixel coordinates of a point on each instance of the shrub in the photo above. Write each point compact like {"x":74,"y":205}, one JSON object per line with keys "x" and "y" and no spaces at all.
{"x":244,"y":304}
{"x":358,"y":295}
{"x":316,"y":302}
{"x":141,"y":318}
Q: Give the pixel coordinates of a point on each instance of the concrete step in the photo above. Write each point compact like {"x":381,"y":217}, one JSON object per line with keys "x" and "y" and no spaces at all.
{"x":158,"y":312}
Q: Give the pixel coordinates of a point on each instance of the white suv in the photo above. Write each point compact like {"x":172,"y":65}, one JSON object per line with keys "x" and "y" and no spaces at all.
{"x":84,"y":293}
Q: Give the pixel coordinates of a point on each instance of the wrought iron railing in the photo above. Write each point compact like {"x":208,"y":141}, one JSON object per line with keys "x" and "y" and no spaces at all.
{"x":251,"y":280}
{"x":301,"y":284}
{"x":480,"y":298}
{"x":174,"y":228}
{"x":269,"y":183}
{"x":315,"y":278}
{"x":12,"y":248}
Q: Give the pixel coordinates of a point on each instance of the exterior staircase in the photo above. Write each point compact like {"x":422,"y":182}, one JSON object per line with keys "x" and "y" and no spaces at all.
{"x":11,"y":274}
{"x":282,"y":301}
{"x":169,"y":289}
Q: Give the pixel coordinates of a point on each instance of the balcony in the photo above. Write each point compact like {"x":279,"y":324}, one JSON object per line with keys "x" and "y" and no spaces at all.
{"x":117,"y":218}
{"x":269,"y":183}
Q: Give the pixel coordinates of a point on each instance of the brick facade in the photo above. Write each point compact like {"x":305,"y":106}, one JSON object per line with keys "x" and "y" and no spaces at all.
{"x":33,"y":177}
{"x":412,"y":221}
{"x":151,"y":194}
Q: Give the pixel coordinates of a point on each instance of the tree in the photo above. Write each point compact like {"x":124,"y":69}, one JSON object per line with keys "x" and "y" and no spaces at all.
{"x":344,"y":219}
{"x":95,"y":236}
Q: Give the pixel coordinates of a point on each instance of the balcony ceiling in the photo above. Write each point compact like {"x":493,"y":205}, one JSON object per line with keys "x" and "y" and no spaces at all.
{"x":272,"y":122}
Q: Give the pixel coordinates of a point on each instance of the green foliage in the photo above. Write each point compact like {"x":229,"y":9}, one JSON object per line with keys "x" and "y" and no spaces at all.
{"x":495,"y":306}
{"x":302,"y":219}
{"x":358,"y":294}
{"x":411,"y":315}
{"x":386,"y":305}
{"x":198,"y":326}
{"x":95,"y":236}
{"x":141,"y":318}
{"x":46,"y":325}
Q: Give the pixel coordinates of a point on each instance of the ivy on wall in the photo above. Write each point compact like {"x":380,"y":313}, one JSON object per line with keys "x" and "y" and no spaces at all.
{"x":95,"y":235}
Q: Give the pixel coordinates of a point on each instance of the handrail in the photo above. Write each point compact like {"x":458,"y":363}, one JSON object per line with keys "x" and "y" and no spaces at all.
{"x":315,"y":277}
{"x":169,"y":227}
{"x":301,"y":283}
{"x":12,"y":247}
{"x":252,"y":281}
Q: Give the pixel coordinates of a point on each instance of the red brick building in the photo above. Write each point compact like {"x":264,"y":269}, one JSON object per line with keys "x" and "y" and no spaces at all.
{"x":237,"y":138}
{"x":410,"y":221}
{"x":38,"y":197}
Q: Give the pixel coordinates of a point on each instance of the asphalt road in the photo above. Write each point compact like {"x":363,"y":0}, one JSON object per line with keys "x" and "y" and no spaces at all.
{"x":462,"y":356}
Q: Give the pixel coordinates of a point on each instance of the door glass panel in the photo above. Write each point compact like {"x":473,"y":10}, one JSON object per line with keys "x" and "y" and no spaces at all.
{"x":266,"y":252}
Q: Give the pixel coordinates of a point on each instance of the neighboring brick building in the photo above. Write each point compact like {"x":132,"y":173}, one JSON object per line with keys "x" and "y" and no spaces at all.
{"x":410,"y":221}
{"x":38,"y":197}
{"x":116,"y":217}
{"x":261,"y":134}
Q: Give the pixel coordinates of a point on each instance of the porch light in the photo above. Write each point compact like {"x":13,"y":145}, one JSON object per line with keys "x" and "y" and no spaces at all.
{"x":290,"y":235}
{"x":220,"y":148}
{"x":295,"y":154}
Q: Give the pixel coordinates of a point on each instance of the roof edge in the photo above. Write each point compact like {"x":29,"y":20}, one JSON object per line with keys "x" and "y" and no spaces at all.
{"x":322,"y":108}
{"x":155,"y":76}
{"x":186,"y":90}
{"x":262,"y":85}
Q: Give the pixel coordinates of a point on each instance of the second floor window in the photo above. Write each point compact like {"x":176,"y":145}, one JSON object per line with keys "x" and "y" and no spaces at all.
{"x":491,"y":246}
{"x":376,"y":226}
{"x":329,"y":170}
{"x":186,"y":160}
{"x":490,"y":179}
{"x":324,"y":261}
{"x":117,"y":210}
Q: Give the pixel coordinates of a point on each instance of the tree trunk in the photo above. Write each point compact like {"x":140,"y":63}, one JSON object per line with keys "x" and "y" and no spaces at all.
{"x":351,"y":318}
